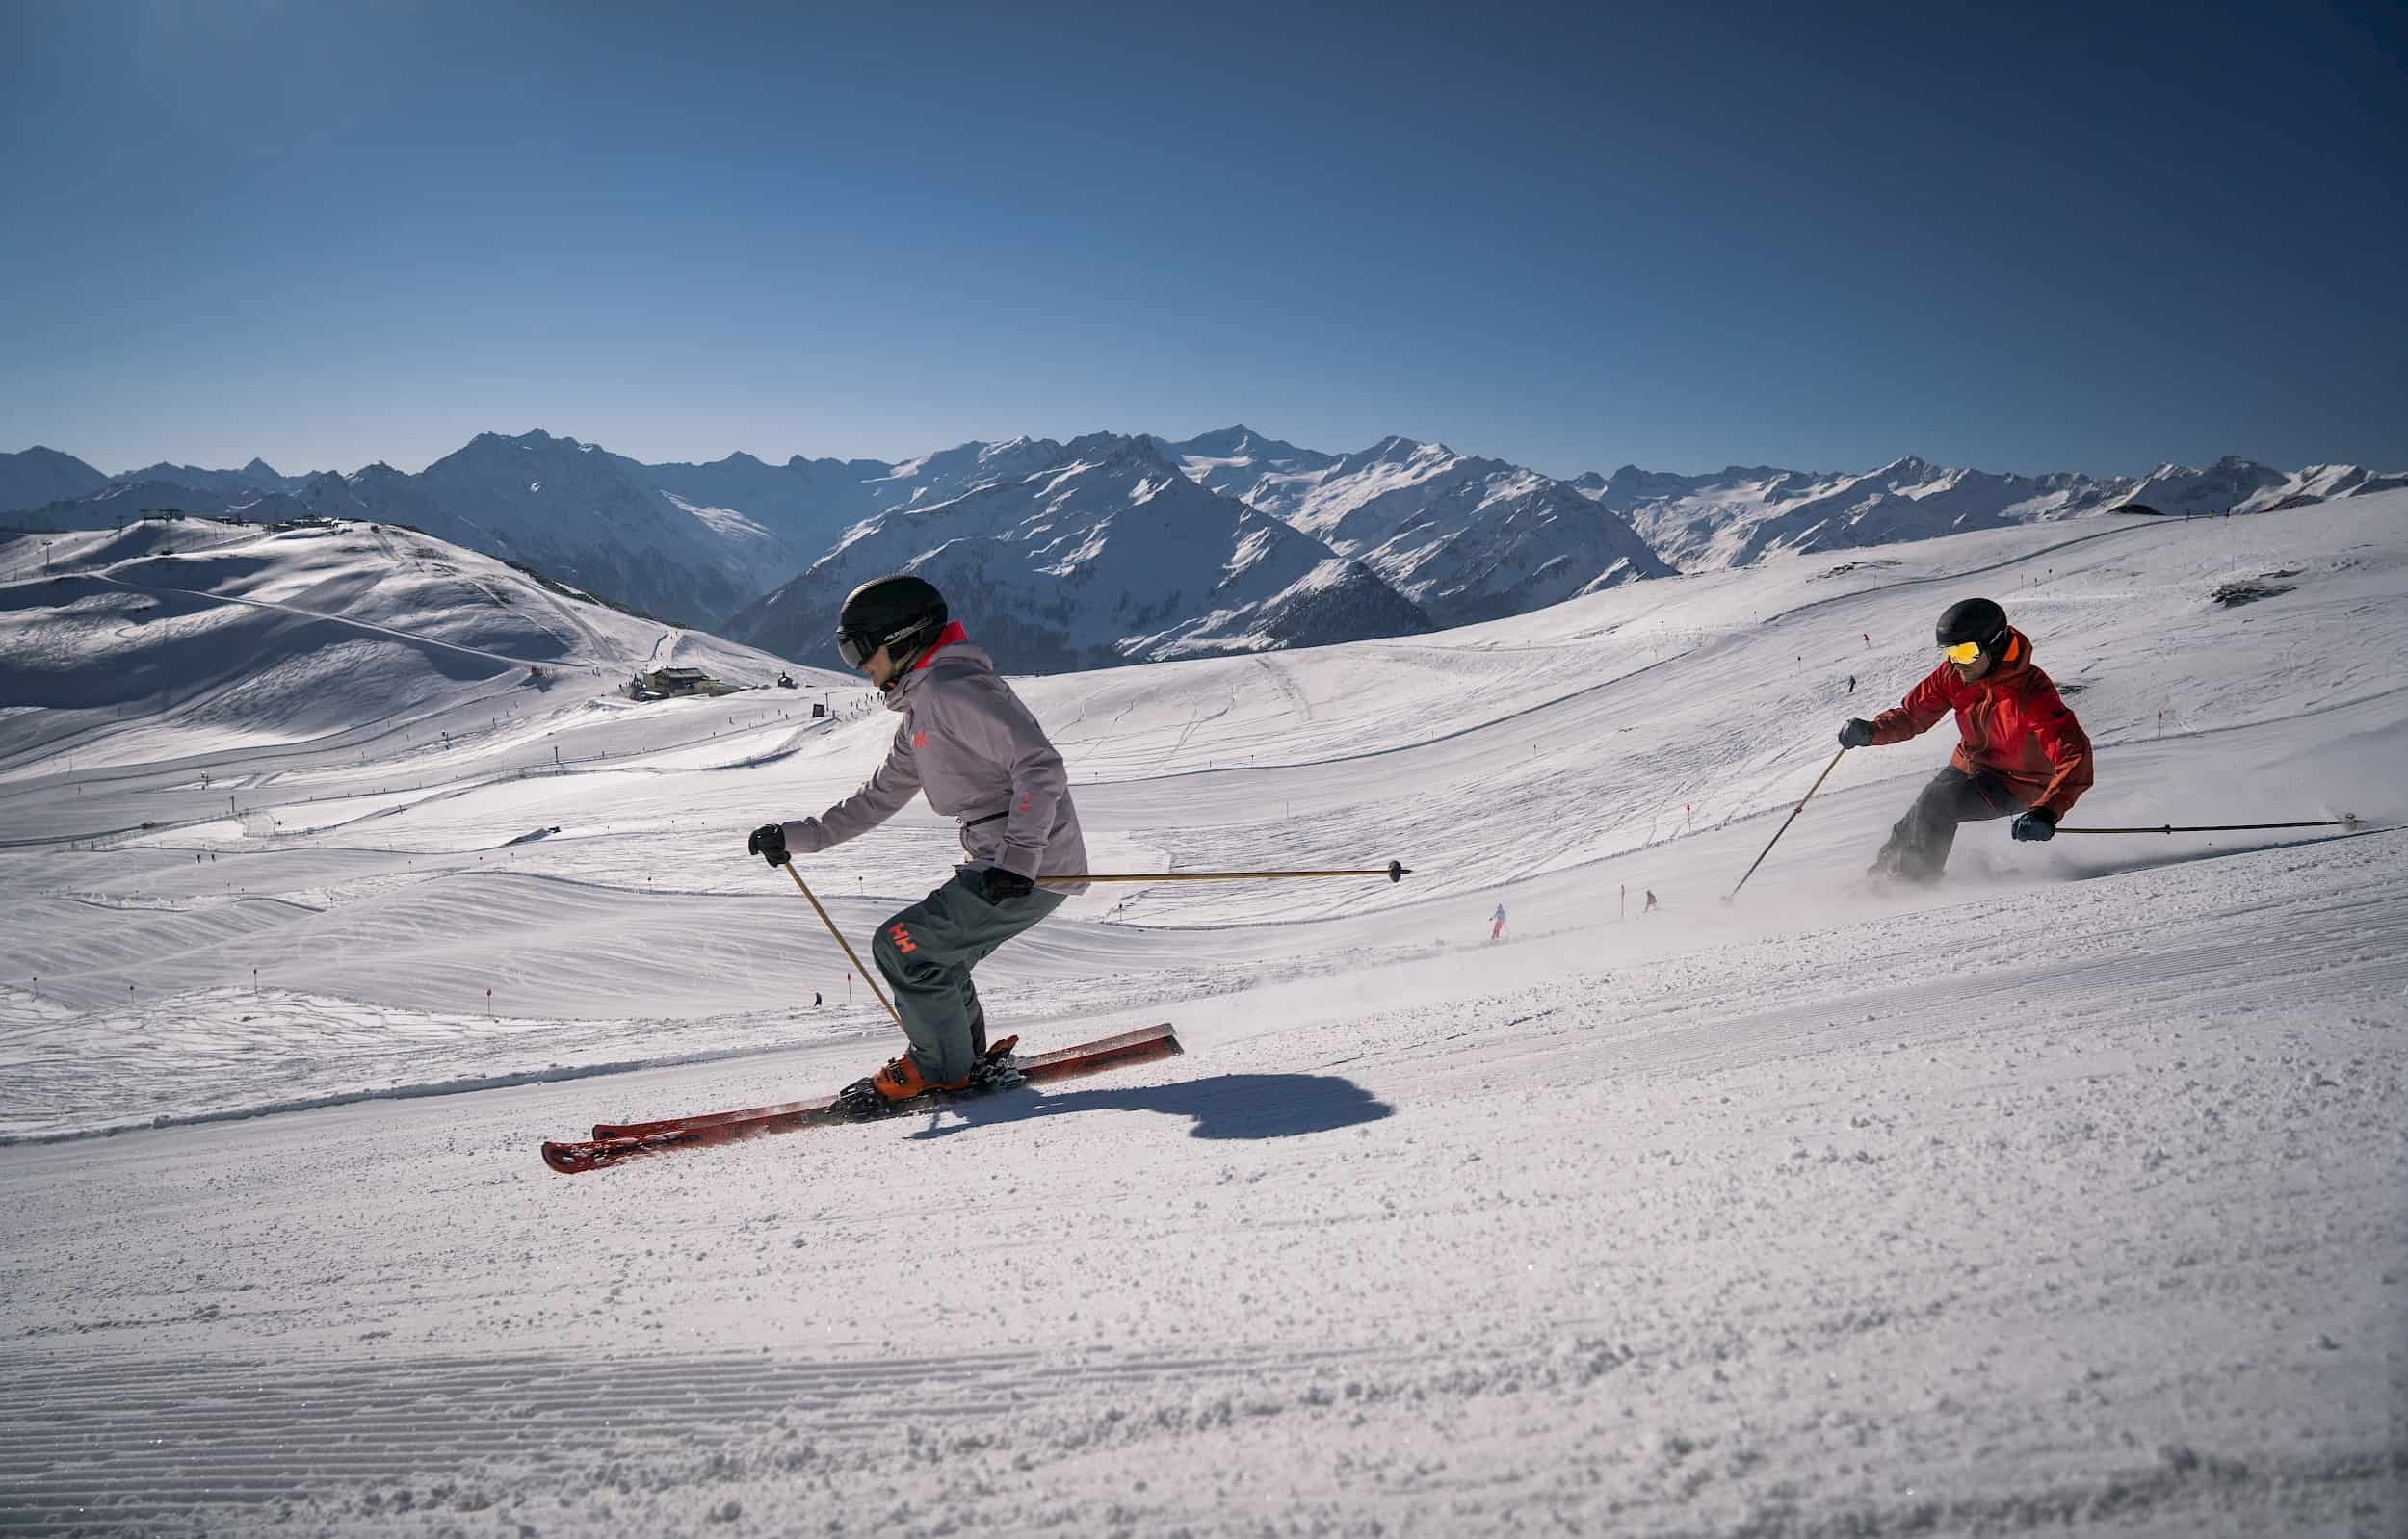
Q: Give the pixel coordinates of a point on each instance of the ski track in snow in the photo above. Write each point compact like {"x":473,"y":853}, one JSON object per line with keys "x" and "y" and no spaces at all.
{"x":2065,"y":1197}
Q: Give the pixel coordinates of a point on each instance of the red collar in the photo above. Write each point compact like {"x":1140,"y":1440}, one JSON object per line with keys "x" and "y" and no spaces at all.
{"x":944,"y":639}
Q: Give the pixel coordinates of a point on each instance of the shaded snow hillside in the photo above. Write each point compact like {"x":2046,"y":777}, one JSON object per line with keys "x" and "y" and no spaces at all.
{"x":206,"y":632}
{"x":1467,"y":539}
{"x":1106,"y":555}
{"x":1707,"y":522}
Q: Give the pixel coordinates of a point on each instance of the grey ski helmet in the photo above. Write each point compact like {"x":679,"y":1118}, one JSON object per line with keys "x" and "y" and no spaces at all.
{"x":1977,"y":620}
{"x":901,"y":614}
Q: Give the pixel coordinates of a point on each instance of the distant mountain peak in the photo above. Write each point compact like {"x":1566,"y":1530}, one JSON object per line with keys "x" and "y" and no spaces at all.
{"x":1107,"y":448}
{"x":532,"y":438}
{"x":42,"y":474}
{"x":1225,"y":442}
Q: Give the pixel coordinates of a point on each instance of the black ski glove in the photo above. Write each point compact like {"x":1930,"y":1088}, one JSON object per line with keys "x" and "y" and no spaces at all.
{"x":2038,"y":824}
{"x":768,"y":842}
{"x":1857,"y":734}
{"x":1000,"y":886}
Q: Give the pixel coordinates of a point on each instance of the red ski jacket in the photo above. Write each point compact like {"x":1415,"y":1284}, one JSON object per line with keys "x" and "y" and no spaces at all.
{"x":2012,"y":722}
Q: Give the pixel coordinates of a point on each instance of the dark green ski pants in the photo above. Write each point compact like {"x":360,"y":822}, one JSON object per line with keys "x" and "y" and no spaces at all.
{"x":926,"y":953}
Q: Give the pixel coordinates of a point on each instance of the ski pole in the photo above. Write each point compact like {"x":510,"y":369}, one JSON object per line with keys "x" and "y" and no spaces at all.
{"x":1786,"y":822}
{"x":1395,"y":870}
{"x":2346,"y":819}
{"x":845,"y":944}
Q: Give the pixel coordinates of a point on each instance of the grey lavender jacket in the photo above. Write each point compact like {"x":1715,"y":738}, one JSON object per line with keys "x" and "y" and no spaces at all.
{"x":975,"y":749}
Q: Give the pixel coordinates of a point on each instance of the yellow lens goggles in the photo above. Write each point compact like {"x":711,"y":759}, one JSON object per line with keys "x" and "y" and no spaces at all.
{"x":1962,"y":651}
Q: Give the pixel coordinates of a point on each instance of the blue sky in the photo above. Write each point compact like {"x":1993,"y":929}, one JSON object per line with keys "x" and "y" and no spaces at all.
{"x":2087,"y":238}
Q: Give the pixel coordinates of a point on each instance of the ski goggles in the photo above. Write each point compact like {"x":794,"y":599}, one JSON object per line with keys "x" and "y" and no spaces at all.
{"x":856,"y":650}
{"x":1962,"y":651}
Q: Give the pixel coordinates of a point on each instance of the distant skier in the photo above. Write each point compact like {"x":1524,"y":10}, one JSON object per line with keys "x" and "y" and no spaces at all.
{"x":1851,"y":684}
{"x":815,"y":998}
{"x":1495,"y":929}
{"x":974,"y":748}
{"x":1650,"y":906}
{"x":2023,"y":754}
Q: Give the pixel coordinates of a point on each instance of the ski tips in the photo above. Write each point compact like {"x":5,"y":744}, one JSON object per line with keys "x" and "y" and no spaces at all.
{"x":571,"y":1159}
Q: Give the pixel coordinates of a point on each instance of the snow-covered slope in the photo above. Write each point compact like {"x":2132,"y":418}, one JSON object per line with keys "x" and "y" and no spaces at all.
{"x":1624,"y":1224}
{"x":165,"y":639}
{"x":2062,"y":1199}
{"x":1107,"y":554}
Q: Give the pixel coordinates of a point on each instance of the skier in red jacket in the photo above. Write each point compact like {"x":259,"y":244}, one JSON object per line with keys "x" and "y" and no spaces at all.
{"x":2023,"y":756}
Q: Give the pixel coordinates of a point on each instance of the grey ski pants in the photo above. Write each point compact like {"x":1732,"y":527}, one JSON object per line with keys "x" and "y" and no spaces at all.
{"x":926,"y":953}
{"x":1919,"y":844}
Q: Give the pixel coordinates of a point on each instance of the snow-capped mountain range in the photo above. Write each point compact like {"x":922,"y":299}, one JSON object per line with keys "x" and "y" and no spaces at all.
{"x":1105,"y":553}
{"x":1420,"y":534}
{"x":572,"y":510}
{"x":1467,"y":539}
{"x":1743,"y":513}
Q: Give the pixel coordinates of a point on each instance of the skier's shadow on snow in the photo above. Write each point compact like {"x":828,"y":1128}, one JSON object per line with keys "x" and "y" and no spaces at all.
{"x":1224,"y":1106}
{"x":2082,"y":870}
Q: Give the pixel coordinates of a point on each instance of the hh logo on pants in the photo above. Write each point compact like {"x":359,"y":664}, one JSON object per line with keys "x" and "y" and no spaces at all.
{"x":902,"y":940}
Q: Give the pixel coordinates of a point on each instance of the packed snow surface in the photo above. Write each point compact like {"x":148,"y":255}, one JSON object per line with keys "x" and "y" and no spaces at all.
{"x":2067,"y":1196}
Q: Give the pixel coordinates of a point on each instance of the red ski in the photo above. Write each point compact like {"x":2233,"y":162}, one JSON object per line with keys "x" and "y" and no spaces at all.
{"x":615,"y":1142}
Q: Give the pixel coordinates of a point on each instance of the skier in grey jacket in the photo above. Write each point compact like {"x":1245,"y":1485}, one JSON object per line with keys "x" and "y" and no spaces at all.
{"x":980,"y":756}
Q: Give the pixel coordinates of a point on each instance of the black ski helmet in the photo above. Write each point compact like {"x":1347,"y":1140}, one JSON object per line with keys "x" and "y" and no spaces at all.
{"x":1974,"y":619}
{"x":901,"y":614}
